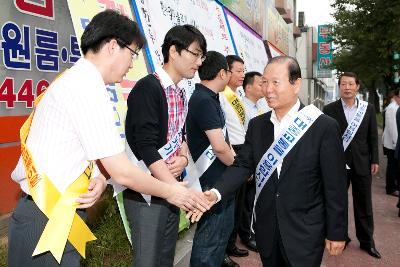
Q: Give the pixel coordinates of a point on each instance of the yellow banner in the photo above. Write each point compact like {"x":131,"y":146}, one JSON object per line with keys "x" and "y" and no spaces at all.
{"x":63,"y":222}
{"x":236,"y":104}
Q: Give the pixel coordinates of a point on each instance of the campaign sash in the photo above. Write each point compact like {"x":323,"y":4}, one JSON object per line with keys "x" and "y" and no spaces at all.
{"x":63,"y":224}
{"x":355,"y":123}
{"x":165,"y":151}
{"x":235,"y":103}
{"x":287,"y":139}
{"x":196,"y":169}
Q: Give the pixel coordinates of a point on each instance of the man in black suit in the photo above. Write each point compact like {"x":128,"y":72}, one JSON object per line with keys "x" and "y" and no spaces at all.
{"x":361,"y":157}
{"x":397,"y":152}
{"x":303,"y":205}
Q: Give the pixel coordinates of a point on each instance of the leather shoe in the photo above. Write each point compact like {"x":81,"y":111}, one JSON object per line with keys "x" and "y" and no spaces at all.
{"x":228,"y":262}
{"x":371,"y":251}
{"x":237,"y":252}
{"x":251,"y":244}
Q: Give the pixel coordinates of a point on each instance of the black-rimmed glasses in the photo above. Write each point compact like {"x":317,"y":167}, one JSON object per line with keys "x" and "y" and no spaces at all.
{"x":134,"y":54}
{"x":197,"y":55}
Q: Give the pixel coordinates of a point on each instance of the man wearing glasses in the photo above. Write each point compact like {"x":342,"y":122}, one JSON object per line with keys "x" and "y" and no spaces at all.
{"x":156,"y":114}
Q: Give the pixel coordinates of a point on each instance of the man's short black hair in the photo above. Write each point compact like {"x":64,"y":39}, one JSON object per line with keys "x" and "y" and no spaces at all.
{"x":292,"y":64}
{"x":108,"y":25}
{"x":349,"y":74}
{"x":212,"y":65}
{"x":232,"y":59}
{"x":182,"y":36}
{"x":249,"y":78}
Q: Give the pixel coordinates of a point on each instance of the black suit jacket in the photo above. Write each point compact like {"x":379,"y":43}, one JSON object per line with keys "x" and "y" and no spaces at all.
{"x":308,"y":201}
{"x":397,"y":151}
{"x":363,"y":149}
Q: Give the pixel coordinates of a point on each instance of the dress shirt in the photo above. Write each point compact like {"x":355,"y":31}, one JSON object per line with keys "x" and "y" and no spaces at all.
{"x":73,"y":124}
{"x":389,"y":136}
{"x":252,"y":110}
{"x":282,"y":124}
{"x":233,"y":124}
{"x":349,"y":112}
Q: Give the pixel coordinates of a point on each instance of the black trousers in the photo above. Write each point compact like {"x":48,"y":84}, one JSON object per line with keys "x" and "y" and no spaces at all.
{"x":392,"y":171}
{"x":362,"y":204}
{"x":26,"y":226}
{"x":238,"y":208}
{"x":278,"y":257}
{"x":246,"y":200}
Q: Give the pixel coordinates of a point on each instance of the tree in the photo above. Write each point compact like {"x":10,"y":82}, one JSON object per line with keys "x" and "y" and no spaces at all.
{"x":367,"y":34}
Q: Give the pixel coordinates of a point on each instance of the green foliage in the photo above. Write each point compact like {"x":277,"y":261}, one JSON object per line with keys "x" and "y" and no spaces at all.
{"x":3,"y":255}
{"x":112,"y":247}
{"x":366,"y":33}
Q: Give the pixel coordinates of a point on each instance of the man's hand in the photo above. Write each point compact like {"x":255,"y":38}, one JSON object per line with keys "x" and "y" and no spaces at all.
{"x":187,"y":199}
{"x":334,"y":247}
{"x":195,"y":215}
{"x":374,"y":168}
{"x":176,"y":165}
{"x":95,"y":189}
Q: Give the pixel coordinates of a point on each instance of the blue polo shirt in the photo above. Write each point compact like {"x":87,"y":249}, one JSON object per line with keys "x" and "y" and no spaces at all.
{"x":204,"y":114}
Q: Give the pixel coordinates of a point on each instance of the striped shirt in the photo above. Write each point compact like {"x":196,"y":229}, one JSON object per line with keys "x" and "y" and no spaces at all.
{"x":72,"y":125}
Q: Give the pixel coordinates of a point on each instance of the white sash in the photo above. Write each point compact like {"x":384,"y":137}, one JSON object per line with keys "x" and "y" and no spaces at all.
{"x":283,"y":144}
{"x":355,"y":123}
{"x":165,"y":151}
{"x":196,"y":170}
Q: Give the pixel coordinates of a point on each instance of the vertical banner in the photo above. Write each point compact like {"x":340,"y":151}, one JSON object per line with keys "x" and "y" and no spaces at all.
{"x":81,"y":13}
{"x":157,"y":17}
{"x":249,"y":45}
{"x":324,"y":53}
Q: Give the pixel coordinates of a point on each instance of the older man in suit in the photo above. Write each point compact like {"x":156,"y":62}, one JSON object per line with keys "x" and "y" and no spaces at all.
{"x":361,"y":156}
{"x":303,"y":204}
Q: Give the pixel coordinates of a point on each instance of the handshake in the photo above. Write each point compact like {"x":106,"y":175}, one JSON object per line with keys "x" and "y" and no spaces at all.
{"x":190,"y":200}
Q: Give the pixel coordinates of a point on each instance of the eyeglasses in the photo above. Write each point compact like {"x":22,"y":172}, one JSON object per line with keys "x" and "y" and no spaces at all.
{"x":197,"y":55}
{"x":134,"y":54}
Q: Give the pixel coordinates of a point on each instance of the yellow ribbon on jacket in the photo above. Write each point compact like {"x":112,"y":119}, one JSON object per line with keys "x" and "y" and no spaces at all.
{"x":236,"y":104}
{"x":63,"y":222}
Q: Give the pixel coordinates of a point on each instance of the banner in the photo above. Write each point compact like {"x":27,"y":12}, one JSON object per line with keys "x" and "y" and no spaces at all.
{"x":251,"y":12}
{"x":249,"y":45}
{"x":37,"y":42}
{"x":157,"y":17}
{"x":324,"y":52}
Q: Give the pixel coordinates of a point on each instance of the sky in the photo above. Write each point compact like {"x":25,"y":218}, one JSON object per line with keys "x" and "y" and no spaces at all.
{"x":316,"y":12}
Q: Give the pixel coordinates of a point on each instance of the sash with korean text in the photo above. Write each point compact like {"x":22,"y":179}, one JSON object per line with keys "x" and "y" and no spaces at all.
{"x":282,"y":145}
{"x":196,"y":169}
{"x":60,"y":207}
{"x":355,"y":123}
{"x":165,"y":151}
{"x":236,"y":104}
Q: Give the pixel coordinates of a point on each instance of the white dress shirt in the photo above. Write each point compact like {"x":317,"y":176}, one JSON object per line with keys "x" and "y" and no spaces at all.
{"x":72,"y":125}
{"x":389,"y":137}
{"x":282,"y":124}
{"x":252,"y":110}
{"x":235,"y":127}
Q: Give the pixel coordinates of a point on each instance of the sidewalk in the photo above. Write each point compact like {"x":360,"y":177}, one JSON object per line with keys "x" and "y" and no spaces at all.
{"x":386,"y":234}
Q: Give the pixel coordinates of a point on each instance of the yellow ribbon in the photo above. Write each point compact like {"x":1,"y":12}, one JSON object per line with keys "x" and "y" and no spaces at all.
{"x":236,"y":104}
{"x":63,"y":222}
